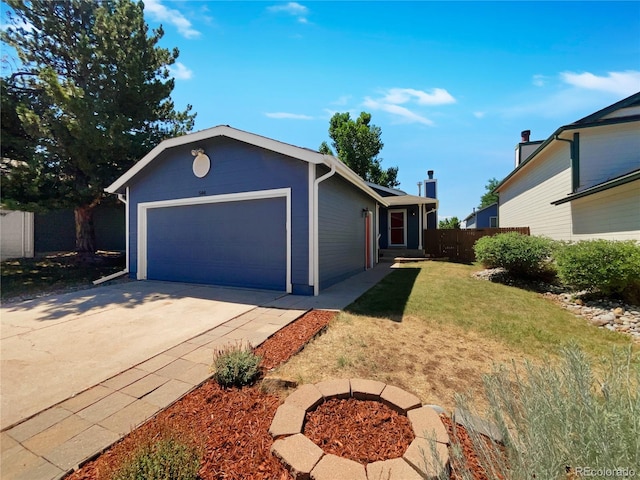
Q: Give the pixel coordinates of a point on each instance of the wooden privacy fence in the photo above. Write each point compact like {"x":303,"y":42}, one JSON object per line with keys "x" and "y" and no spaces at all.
{"x":457,"y":244}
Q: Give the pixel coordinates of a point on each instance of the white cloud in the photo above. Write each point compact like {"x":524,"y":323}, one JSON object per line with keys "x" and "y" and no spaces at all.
{"x":620,"y":83}
{"x":161,"y":13}
{"x":539,"y":80}
{"x":404,"y":113}
{"x":292,"y":8}
{"x":437,"y":96}
{"x":568,"y":96}
{"x":292,"y":116}
{"x":180,"y":72}
{"x":479,"y":114}
{"x":393,"y":98}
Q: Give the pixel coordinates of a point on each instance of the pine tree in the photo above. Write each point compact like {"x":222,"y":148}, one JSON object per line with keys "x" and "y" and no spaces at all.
{"x":92,"y":96}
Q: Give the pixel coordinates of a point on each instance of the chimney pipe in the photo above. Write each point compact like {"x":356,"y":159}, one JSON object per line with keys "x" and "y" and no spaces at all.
{"x":419,"y":189}
{"x":430,"y":174}
{"x":525,"y":135}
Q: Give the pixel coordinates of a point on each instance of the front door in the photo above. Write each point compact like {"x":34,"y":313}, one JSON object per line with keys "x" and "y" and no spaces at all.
{"x":397,"y":228}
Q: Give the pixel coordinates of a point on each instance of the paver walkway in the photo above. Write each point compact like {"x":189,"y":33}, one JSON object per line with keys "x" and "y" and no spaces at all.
{"x":60,"y":438}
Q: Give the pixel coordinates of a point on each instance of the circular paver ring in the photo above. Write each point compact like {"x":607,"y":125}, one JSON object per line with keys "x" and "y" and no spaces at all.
{"x":423,"y":459}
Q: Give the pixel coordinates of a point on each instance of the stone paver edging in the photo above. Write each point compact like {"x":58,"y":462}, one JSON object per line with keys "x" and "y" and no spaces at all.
{"x":424,"y":459}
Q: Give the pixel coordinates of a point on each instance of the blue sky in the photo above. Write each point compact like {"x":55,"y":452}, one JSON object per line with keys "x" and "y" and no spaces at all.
{"x":451,"y":84}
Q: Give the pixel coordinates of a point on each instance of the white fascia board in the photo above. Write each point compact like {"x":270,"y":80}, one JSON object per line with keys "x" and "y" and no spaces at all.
{"x":353,"y":178}
{"x":410,"y":200}
{"x":219,"y":131}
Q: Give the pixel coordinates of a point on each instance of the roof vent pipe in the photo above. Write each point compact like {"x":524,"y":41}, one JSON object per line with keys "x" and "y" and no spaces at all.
{"x":525,"y":134}
{"x":430,"y":174}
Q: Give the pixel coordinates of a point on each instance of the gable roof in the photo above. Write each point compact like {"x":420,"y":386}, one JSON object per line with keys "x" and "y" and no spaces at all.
{"x":476,"y":212}
{"x":599,"y":118}
{"x":304,"y":154}
{"x":392,"y":191}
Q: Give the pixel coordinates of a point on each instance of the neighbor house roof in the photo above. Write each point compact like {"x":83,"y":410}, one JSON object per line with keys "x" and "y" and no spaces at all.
{"x":474,"y":213}
{"x":289,"y":150}
{"x":596,"y":119}
{"x":392,"y":191}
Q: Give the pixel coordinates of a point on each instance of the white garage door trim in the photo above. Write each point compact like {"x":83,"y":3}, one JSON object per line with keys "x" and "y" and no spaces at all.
{"x":143,"y":208}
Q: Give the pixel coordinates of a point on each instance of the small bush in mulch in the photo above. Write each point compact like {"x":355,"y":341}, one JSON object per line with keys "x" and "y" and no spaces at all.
{"x":166,"y":458}
{"x":235,"y":365}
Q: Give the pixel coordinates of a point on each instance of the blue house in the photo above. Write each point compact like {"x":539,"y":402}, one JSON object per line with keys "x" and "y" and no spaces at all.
{"x":486,"y":217}
{"x":405,"y":217}
{"x":227,"y":207}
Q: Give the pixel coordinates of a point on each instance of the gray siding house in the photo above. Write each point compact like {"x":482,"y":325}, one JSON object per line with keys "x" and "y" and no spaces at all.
{"x":227,"y":207}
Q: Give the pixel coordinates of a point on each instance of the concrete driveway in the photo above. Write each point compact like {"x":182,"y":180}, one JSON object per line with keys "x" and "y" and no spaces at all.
{"x":55,"y":347}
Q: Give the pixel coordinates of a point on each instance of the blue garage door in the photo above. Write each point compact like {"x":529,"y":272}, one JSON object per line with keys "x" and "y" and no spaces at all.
{"x":239,"y":243}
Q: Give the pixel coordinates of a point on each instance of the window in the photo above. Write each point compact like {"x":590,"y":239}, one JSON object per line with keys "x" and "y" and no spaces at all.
{"x":493,"y":222}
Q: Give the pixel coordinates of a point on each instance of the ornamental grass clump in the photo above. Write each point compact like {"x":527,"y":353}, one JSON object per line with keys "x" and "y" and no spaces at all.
{"x":235,"y":365}
{"x":605,"y":266}
{"x":521,"y":255}
{"x":564,"y":419}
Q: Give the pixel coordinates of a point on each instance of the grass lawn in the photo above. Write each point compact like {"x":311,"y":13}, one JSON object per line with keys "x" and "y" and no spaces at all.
{"x":27,"y":277}
{"x":434,"y":330}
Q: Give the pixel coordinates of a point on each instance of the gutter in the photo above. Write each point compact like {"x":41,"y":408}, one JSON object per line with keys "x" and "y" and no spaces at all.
{"x":124,"y":198}
{"x":574,"y":154}
{"x":316,"y":246}
{"x":111,"y":277}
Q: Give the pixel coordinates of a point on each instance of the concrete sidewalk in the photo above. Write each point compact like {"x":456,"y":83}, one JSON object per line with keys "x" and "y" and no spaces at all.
{"x":58,"y":439}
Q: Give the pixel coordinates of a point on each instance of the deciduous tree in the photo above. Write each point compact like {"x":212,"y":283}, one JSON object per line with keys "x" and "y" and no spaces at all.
{"x":453,"y":222}
{"x":357,"y":144}
{"x":92,"y":96}
{"x":489,"y":196}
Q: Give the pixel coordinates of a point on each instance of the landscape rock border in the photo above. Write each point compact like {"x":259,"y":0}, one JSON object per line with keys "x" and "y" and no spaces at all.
{"x":305,"y":460}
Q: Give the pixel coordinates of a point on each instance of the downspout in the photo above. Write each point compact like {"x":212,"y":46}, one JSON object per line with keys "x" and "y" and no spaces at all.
{"x":420,"y":231}
{"x":316,"y":243}
{"x":124,"y":198}
{"x":574,"y":153}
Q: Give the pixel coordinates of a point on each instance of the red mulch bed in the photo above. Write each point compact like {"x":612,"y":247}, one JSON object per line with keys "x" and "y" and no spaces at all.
{"x":285,"y":343}
{"x":345,"y":428}
{"x":231,"y":425}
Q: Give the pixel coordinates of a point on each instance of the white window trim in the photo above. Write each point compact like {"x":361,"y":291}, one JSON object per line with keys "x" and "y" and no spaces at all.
{"x":492,"y":217}
{"x":404,"y":223}
{"x":143,"y":208}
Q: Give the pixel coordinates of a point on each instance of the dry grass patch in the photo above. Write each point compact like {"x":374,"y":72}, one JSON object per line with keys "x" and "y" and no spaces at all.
{"x":434,"y":362}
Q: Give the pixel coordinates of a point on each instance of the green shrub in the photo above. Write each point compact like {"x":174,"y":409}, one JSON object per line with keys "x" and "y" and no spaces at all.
{"x":611,"y":267}
{"x":235,"y":365}
{"x":521,"y":255}
{"x":167,"y":458}
{"x":559,"y":417}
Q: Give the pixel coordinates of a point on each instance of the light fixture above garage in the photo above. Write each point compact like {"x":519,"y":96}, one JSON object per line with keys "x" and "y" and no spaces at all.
{"x":201,"y":164}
